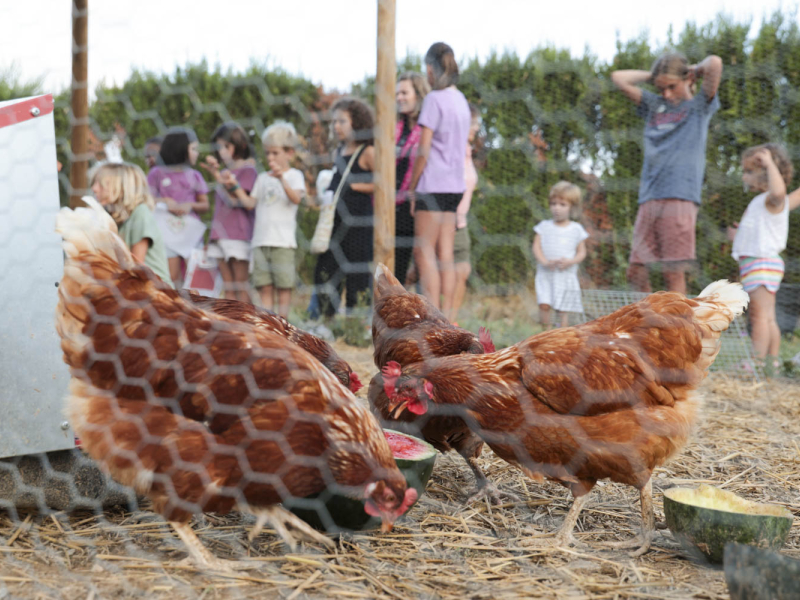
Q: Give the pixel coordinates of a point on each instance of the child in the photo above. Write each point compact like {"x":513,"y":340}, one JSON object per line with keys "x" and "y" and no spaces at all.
{"x":760,"y":238}
{"x":346,"y":262}
{"x":122,"y":189}
{"x":461,"y":243}
{"x":675,"y":134}
{"x":275,"y":198}
{"x":152,"y":148}
{"x":559,"y":247}
{"x":437,"y":181}
{"x":232,"y":226}
{"x":179,"y":186}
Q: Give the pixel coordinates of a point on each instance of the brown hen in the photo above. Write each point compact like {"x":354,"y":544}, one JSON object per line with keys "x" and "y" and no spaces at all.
{"x":201,"y":413}
{"x":407,"y":329}
{"x":610,"y":399}
{"x":261,"y":318}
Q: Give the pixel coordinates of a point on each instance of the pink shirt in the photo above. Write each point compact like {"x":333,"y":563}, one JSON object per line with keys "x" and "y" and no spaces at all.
{"x":230,"y":222}
{"x":182,"y":184}
{"x":471,"y":181}
{"x":446,"y":113}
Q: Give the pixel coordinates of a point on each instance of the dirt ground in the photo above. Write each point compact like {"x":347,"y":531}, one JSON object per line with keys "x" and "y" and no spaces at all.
{"x":747,"y":443}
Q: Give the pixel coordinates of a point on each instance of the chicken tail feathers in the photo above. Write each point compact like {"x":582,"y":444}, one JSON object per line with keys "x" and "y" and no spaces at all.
{"x":384,"y":281}
{"x":91,"y":230}
{"x":720,"y":303}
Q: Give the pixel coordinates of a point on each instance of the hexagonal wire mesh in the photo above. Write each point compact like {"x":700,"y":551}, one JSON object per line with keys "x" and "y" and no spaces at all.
{"x":204,"y":415}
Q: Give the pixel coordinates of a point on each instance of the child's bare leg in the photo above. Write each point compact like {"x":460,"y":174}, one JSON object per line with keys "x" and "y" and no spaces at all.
{"x":267,"y":300}
{"x":639,"y":277}
{"x":444,"y":253}
{"x":564,"y":319}
{"x":762,"y":319}
{"x":227,"y":278}
{"x":175,"y":271}
{"x":544,"y":315}
{"x":463,"y":269}
{"x":241,"y":278}
{"x":426,"y":232}
{"x":284,"y":301}
{"x":675,"y":277}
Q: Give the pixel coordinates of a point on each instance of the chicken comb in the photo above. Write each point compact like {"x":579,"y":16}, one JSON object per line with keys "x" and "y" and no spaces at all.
{"x":390,"y":373}
{"x":485,"y":339}
{"x":355,"y":382}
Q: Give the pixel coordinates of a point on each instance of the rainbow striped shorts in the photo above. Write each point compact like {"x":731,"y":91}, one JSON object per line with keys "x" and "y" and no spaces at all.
{"x":755,"y":272}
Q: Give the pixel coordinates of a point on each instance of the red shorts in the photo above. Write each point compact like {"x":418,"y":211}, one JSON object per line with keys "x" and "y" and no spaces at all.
{"x":664,"y":232}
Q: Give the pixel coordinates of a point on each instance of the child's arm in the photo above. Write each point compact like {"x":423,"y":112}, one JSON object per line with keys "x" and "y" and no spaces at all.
{"x":580,"y":255}
{"x":776,"y":190}
{"x":794,"y":199}
{"x":139,"y":250}
{"x":236,"y":192}
{"x":424,"y":150}
{"x":200,"y":205}
{"x":711,"y":72}
{"x":628,"y":82}
{"x":538,"y":253}
{"x":368,"y":156}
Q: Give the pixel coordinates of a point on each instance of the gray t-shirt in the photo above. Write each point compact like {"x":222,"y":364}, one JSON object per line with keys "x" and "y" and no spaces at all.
{"x":674,"y":146}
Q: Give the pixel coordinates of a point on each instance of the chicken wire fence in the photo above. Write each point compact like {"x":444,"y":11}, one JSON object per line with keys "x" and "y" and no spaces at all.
{"x":546,"y":118}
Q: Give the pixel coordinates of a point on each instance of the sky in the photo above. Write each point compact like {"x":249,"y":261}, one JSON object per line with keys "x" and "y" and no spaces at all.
{"x":331,"y":43}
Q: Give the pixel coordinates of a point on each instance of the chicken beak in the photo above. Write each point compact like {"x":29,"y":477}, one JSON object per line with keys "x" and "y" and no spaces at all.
{"x":401,"y":407}
{"x":386,"y":526}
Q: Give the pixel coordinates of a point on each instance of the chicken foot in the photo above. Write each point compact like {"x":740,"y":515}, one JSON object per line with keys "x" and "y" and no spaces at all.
{"x":643,"y":541}
{"x":201,"y":557}
{"x":485,"y":488}
{"x":283,"y":521}
{"x":564,"y":537}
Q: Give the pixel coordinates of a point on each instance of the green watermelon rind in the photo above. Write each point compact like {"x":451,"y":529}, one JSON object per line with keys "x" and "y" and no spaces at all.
{"x":703,"y":531}
{"x":336,"y":513}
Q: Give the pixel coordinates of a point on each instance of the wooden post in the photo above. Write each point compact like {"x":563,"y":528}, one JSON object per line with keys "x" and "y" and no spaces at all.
{"x":386,"y":114}
{"x":79,"y":102}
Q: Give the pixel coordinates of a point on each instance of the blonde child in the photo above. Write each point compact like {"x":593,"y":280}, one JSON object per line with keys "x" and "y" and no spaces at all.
{"x":178,"y":185}
{"x":232,"y":226}
{"x":559,"y":246}
{"x":275,"y":198}
{"x":122,"y":189}
{"x":759,"y":239}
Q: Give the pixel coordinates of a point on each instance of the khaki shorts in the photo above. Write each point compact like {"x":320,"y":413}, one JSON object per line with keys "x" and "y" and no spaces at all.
{"x":664,"y":232}
{"x":461,"y":245}
{"x":273,"y":266}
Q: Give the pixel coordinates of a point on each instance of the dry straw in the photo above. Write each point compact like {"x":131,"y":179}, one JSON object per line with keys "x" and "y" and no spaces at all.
{"x":747,"y":443}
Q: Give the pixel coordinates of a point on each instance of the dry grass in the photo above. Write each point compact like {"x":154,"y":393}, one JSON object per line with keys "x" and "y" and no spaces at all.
{"x":747,"y":444}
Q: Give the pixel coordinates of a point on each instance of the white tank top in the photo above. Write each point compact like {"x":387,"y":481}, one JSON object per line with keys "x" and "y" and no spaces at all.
{"x":761,"y":234}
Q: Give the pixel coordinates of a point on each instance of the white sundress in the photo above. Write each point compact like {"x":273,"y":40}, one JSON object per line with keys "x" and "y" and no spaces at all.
{"x":559,"y":288}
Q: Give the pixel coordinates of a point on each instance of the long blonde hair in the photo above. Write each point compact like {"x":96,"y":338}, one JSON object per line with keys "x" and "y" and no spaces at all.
{"x":126,"y":186}
{"x":421,"y":89}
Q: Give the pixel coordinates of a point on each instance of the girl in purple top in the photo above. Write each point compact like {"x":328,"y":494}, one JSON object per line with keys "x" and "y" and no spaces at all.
{"x":175,"y":183}
{"x":232,"y":226}
{"x":437,"y":181}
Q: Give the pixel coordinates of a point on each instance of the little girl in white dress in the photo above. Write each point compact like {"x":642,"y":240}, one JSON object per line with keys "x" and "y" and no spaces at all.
{"x":559,"y":247}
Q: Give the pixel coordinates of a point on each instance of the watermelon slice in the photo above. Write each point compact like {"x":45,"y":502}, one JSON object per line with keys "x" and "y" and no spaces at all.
{"x":334,"y":512}
{"x":703,"y":520}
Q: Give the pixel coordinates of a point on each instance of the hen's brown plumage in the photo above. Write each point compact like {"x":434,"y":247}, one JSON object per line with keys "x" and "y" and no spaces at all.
{"x":261,"y":318}
{"x":407,"y":329}
{"x":613,"y":398}
{"x":199,"y":412}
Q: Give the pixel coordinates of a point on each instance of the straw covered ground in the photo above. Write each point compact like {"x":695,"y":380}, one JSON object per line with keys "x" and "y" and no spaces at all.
{"x":747,"y":443}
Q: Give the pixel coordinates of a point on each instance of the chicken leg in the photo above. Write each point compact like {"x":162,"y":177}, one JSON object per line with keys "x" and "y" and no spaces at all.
{"x":282,"y":521}
{"x":200,"y":556}
{"x":564,"y":535}
{"x":484,"y":488}
{"x":643,"y":541}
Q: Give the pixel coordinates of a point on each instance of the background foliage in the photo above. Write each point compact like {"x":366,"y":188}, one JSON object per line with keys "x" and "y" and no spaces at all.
{"x":546,"y":116}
